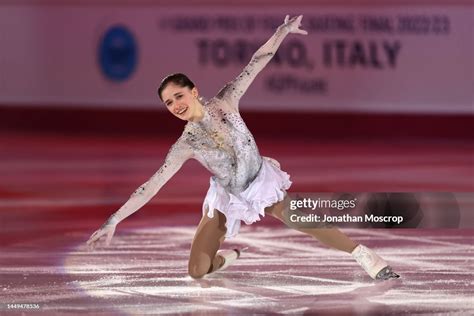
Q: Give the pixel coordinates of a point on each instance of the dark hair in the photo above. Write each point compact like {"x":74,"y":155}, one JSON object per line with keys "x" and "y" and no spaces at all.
{"x":178,"y":79}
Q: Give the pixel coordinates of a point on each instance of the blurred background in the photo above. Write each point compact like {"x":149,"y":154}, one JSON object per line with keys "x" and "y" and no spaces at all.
{"x":376,"y":101}
{"x":378,"y":97}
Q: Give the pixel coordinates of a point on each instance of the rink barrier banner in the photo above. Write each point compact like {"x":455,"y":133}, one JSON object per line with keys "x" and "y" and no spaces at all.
{"x":380,"y":210}
{"x":385,"y":59}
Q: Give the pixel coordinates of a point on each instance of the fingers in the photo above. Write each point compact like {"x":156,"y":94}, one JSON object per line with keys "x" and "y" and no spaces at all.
{"x":296,"y":19}
{"x":295,"y":23}
{"x":97,"y":236}
{"x":94,"y":239}
{"x":91,"y":245}
{"x":299,"y":31}
{"x":110,"y":234}
{"x":287,"y":17}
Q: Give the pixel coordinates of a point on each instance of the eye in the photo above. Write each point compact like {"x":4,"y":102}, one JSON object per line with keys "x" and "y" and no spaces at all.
{"x":179,"y":96}
{"x":168,"y":103}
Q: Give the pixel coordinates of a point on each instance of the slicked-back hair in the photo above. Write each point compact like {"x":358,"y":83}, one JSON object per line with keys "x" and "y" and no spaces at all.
{"x":178,"y":79}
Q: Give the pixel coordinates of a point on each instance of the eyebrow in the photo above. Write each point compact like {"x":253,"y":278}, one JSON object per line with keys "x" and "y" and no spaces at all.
{"x":166,"y":101}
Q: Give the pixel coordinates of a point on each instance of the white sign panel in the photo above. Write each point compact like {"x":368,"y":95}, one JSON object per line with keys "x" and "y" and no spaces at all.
{"x":389,"y":59}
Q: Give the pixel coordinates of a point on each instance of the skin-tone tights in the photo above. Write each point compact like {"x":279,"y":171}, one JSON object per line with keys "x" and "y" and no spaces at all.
{"x":211,"y":233}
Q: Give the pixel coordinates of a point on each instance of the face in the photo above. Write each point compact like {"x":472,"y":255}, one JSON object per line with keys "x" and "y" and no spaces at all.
{"x":182,"y":102}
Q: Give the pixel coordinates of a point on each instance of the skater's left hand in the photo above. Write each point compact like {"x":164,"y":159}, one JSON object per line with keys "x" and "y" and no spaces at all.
{"x":108,"y":229}
{"x":293,"y":24}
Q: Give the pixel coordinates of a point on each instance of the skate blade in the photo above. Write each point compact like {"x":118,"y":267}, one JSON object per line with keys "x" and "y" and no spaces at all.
{"x":386,"y":274}
{"x":239,"y":251}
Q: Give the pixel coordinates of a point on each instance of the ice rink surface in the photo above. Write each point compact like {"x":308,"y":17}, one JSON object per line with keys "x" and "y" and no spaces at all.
{"x":144,"y":272}
{"x":55,"y":191}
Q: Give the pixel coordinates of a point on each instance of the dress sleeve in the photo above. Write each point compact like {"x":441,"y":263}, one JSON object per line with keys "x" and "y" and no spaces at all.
{"x":179,"y":153}
{"x":233,"y":91}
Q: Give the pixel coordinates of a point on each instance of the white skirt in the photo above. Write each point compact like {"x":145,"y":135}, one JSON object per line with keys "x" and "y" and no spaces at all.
{"x":268,"y":188}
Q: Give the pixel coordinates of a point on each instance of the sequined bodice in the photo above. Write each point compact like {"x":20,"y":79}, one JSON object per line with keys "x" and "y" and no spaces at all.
{"x":222,"y":143}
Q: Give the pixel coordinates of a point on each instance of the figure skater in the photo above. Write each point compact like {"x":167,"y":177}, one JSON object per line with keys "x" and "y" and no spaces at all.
{"x":244,"y":185}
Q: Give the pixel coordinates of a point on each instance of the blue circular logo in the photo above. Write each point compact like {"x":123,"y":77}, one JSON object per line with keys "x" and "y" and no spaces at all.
{"x":118,"y":53}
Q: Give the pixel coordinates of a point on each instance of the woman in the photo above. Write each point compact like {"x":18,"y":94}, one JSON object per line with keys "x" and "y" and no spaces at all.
{"x":245,"y":185}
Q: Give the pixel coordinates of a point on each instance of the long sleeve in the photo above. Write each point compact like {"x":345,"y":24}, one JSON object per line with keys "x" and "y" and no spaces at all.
{"x":233,"y":91}
{"x":178,"y":154}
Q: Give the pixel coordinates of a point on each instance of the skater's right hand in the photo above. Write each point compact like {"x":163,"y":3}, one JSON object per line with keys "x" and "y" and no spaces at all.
{"x":108,"y":229}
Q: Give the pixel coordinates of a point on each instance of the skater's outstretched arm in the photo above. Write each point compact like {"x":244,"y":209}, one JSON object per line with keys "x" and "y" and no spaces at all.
{"x":233,"y":91}
{"x":178,"y":154}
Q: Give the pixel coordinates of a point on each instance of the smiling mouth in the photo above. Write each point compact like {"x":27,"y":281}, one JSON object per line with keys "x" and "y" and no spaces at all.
{"x":181,"y":112}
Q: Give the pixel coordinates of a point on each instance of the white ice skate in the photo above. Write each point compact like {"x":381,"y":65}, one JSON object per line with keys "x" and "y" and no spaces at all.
{"x":229,"y":257}
{"x":373,"y":264}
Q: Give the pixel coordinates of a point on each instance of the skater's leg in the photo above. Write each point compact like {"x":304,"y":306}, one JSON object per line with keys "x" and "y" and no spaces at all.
{"x":373,"y":264}
{"x":331,"y":237}
{"x":208,"y":238}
